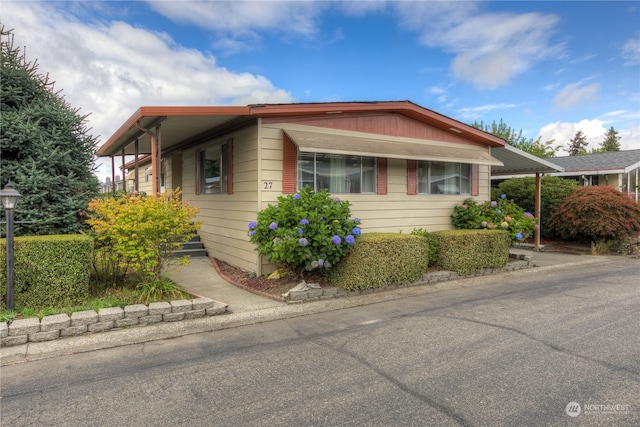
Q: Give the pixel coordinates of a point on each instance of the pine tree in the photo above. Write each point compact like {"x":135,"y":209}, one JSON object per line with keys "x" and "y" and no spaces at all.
{"x":578,"y":144}
{"x":45,"y":148}
{"x":611,"y":141}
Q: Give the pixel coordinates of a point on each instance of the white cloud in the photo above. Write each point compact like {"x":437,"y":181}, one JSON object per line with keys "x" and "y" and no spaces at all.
{"x":630,"y":137}
{"x":631,"y":52}
{"x":573,"y":95}
{"x":595,"y":129}
{"x":474,"y":113}
{"x":489,"y":48}
{"x":111,"y":69}
{"x":238,"y":23}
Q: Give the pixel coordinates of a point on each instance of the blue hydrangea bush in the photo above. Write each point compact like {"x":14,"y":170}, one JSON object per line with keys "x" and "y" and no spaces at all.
{"x":500,"y":214}
{"x":305,"y":231}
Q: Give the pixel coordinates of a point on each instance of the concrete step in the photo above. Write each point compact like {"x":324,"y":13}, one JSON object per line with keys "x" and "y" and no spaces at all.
{"x":192,"y":245}
{"x":201,"y":252}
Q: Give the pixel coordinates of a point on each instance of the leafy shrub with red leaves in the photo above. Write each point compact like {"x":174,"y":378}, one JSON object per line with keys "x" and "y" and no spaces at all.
{"x":596,"y":213}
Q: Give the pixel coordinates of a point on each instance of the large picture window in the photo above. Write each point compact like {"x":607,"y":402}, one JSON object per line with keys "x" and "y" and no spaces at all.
{"x":337,"y":173}
{"x":212,"y":169}
{"x":444,"y":178}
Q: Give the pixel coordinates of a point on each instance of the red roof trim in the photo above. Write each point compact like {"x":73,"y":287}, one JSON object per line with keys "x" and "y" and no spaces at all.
{"x":274,"y":110}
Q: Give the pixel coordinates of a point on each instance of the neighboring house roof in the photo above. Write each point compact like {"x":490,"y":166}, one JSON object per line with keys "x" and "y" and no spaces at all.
{"x":599,"y":163}
{"x":142,"y":160}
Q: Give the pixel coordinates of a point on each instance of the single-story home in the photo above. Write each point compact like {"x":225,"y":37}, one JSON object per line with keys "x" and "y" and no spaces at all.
{"x":400,"y":165}
{"x":619,"y":169}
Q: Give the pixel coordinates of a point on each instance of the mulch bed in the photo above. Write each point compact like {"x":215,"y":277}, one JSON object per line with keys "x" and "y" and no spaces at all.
{"x":262,"y":285}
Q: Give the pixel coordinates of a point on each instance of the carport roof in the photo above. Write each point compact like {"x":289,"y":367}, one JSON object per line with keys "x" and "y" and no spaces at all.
{"x":518,"y":162}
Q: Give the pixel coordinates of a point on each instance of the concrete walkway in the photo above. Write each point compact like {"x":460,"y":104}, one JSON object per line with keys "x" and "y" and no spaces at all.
{"x":201,"y":278}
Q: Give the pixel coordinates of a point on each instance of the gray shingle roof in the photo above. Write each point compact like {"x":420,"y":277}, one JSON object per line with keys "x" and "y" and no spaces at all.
{"x":599,"y":161}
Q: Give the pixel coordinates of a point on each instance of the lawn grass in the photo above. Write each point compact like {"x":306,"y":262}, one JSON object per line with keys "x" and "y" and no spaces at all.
{"x":100,"y":297}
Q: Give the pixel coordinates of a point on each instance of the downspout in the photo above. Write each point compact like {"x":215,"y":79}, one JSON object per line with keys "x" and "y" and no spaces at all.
{"x":154,"y":160}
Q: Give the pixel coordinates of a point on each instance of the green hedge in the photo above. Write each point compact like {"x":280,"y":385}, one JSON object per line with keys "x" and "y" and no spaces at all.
{"x":49,"y":270}
{"x":381,"y":259}
{"x":469,"y":251}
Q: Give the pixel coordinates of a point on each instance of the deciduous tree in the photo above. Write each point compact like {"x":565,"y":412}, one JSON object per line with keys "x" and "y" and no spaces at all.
{"x":515,"y":139}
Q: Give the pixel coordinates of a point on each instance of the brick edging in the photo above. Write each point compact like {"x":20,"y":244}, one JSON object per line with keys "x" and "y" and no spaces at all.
{"x":22,"y":331}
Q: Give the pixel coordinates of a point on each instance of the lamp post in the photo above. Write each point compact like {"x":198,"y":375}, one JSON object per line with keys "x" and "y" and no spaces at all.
{"x":9,"y":198}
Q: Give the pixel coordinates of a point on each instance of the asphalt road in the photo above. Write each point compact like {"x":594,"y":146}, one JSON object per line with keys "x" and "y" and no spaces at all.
{"x":556,"y":348}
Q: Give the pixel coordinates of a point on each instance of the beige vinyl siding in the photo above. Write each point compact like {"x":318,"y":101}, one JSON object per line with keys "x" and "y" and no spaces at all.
{"x":225,"y":216}
{"x":394,"y":212}
{"x":168,"y":186}
{"x":144,"y":185}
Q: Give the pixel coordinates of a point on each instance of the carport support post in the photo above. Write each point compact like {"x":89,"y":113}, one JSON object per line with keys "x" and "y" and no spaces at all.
{"x":536,"y":233}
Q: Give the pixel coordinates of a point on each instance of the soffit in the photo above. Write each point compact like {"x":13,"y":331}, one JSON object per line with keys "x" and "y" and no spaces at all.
{"x":174,"y":130}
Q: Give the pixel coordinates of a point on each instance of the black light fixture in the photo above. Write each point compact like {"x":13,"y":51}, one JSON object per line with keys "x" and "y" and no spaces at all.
{"x":9,"y":197}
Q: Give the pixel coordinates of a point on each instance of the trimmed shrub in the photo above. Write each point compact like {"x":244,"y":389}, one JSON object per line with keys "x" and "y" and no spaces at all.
{"x":596,"y":213}
{"x":142,"y":231}
{"x":431,"y":242}
{"x":49,"y":270}
{"x":381,"y":259}
{"x":501,"y":214}
{"x":305,"y":231}
{"x":469,"y":251}
{"x":522,"y":191}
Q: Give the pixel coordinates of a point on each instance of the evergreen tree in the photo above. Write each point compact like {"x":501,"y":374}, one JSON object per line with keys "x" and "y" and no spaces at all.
{"x":578,"y":144}
{"x":515,"y":139}
{"x":45,"y":148}
{"x":611,"y":141}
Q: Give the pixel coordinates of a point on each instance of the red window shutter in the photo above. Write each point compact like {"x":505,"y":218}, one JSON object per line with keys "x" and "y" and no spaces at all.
{"x":289,"y":165}
{"x":230,"y":166}
{"x":381,"y":182}
{"x":475,"y":180}
{"x":412,"y":177}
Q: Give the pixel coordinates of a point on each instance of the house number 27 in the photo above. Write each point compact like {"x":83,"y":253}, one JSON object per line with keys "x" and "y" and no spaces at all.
{"x":267,"y":185}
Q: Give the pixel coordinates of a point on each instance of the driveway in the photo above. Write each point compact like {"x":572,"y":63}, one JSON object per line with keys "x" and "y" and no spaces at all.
{"x":553,"y":348}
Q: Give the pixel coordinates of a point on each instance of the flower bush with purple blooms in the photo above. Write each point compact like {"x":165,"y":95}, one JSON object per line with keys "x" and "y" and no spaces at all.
{"x":502,"y":213}
{"x":305,"y":231}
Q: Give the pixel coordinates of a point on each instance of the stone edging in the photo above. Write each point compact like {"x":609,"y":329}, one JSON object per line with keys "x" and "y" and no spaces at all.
{"x":310,"y":292}
{"x":57,"y":326}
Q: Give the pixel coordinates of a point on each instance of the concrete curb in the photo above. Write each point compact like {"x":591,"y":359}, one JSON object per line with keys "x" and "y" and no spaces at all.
{"x":115,"y":338}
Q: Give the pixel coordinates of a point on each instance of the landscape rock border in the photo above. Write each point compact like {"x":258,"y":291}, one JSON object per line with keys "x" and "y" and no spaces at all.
{"x":59,"y":326}
{"x":306,"y":292}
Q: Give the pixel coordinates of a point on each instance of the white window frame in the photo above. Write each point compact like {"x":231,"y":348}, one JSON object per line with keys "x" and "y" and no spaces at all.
{"x":205,"y":187}
{"x":427,"y":181}
{"x":342,"y":187}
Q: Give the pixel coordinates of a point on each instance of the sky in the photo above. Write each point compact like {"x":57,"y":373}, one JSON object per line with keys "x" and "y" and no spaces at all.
{"x":548,"y":68}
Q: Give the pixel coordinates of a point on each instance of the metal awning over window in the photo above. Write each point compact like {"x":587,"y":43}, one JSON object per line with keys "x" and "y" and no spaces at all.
{"x":393,"y":147}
